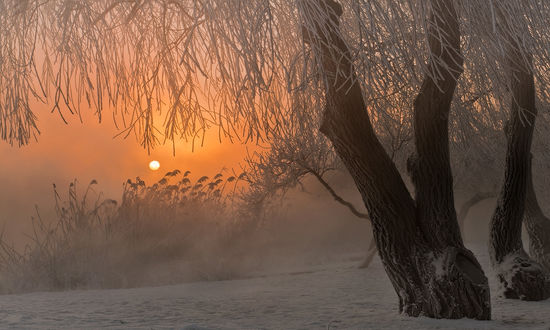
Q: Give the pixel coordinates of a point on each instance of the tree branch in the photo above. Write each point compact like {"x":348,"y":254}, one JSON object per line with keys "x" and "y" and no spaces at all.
{"x":335,"y":195}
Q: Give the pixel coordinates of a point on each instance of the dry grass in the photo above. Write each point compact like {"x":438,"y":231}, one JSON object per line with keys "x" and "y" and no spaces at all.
{"x":177,"y":230}
{"x":174,"y":230}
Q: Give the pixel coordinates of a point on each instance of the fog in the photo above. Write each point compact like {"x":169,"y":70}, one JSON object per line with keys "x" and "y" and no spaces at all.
{"x":307,"y":227}
{"x":87,"y":151}
{"x":304,"y":228}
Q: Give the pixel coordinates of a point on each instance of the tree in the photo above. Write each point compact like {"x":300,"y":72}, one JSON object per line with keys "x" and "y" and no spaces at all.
{"x":536,"y":222}
{"x":250,"y":75}
{"x":520,"y":276}
{"x":538,"y":226}
{"x":418,"y":241}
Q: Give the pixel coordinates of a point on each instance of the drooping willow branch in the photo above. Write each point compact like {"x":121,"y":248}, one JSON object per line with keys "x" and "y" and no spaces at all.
{"x":165,"y":70}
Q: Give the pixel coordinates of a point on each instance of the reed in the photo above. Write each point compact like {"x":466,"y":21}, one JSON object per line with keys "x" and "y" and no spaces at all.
{"x":174,"y":230}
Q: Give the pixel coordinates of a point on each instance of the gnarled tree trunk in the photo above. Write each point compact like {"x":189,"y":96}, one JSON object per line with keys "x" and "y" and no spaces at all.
{"x":419,"y":242}
{"x":537,"y":225}
{"x":520,"y":276}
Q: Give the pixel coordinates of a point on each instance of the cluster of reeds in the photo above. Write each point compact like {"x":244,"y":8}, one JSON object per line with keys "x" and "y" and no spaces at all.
{"x":161,"y":233}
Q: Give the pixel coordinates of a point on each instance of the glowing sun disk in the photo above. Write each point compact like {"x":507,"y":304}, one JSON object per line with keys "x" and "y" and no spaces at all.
{"x":154,"y":165}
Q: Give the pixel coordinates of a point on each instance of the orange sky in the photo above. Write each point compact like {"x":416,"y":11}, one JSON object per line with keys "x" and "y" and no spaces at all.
{"x":90,"y":151}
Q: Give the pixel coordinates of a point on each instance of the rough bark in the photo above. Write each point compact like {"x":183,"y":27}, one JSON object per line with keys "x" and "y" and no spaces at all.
{"x":430,"y":167}
{"x":420,"y":247}
{"x":520,"y":276}
{"x":465,"y":209}
{"x":538,"y":226}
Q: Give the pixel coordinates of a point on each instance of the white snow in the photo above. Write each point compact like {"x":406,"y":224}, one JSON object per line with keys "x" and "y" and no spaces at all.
{"x":507,"y":270}
{"x":334,"y":295}
{"x":438,"y":264}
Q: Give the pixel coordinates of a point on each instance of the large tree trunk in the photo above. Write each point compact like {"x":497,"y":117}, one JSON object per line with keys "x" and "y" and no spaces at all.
{"x":419,"y":243}
{"x":537,"y":225}
{"x":520,"y":276}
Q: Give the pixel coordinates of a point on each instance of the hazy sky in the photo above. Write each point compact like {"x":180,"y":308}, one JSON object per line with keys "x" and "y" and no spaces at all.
{"x":87,"y":151}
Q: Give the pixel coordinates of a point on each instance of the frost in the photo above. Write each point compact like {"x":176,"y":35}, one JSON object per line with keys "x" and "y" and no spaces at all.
{"x":439,"y":266}
{"x":509,"y":267}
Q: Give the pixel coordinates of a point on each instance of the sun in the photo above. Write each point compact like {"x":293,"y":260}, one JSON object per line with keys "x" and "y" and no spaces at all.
{"x":154,"y":165}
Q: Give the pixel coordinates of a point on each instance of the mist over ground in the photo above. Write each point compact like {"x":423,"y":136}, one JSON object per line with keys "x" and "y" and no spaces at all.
{"x":307,"y":227}
{"x":125,"y":246}
{"x":87,"y":151}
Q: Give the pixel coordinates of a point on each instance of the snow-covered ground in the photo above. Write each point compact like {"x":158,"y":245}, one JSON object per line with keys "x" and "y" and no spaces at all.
{"x":333,"y":295}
